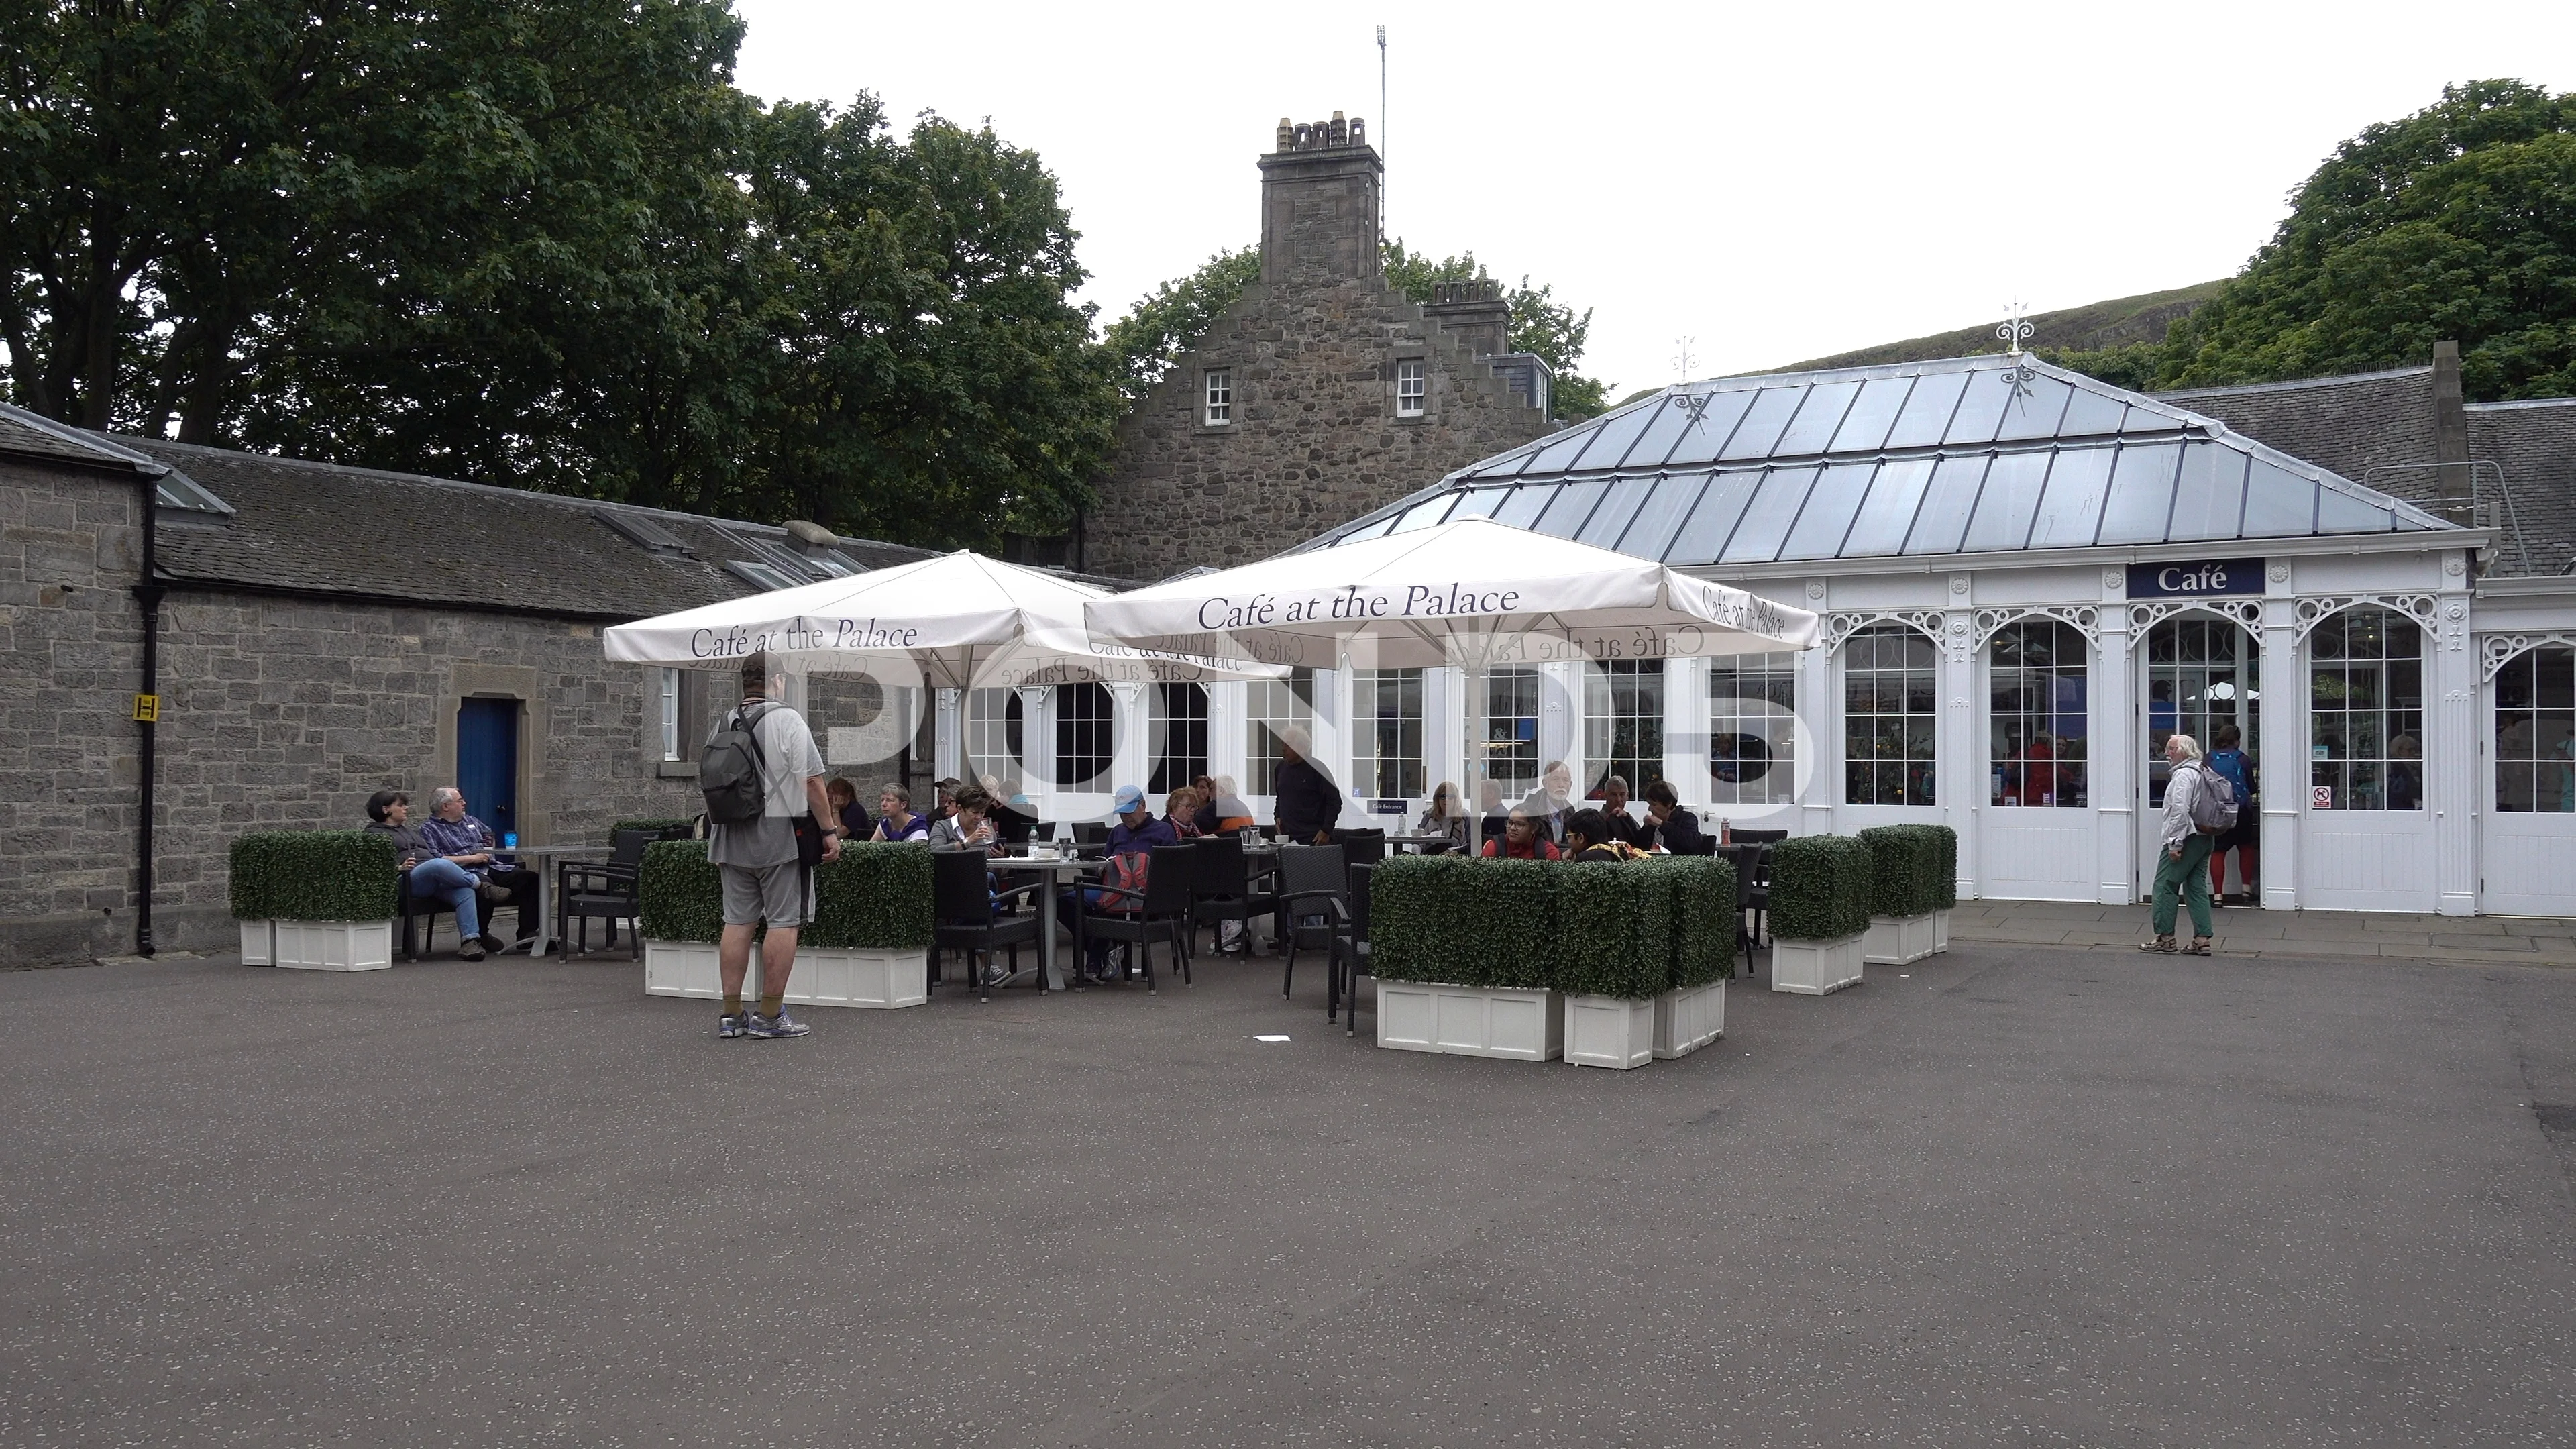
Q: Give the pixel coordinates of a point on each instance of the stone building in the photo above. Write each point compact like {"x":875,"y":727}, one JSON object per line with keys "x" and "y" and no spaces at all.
{"x":1321,"y":394}
{"x":323,"y":632}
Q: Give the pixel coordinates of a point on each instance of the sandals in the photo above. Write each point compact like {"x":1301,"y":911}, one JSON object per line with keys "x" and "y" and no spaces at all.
{"x":2199,"y":946}
{"x":2161,"y":945}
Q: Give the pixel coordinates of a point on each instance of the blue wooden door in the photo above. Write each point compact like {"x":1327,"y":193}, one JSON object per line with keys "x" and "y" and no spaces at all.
{"x":487,"y":761}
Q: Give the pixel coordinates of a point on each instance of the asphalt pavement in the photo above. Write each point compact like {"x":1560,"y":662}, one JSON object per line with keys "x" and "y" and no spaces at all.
{"x":2014,"y":1195}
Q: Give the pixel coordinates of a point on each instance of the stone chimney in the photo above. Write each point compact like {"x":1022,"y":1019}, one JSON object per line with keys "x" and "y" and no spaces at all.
{"x":1319,"y":200}
{"x":2457,"y":496}
{"x":1474,"y":313}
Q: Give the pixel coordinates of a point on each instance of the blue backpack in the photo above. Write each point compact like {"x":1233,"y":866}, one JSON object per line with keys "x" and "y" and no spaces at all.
{"x":2238,"y":770}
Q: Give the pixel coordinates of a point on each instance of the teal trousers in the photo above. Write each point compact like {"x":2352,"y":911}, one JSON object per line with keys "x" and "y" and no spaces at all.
{"x":2190,"y":876}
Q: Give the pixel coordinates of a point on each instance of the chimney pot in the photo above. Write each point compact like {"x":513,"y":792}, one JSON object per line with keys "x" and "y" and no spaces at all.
{"x":1287,"y":138}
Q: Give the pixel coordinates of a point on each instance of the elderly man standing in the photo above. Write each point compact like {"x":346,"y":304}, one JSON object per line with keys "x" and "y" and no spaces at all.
{"x":2183,"y":861}
{"x":470,"y":843}
{"x":765,"y":877}
{"x":1309,"y":803}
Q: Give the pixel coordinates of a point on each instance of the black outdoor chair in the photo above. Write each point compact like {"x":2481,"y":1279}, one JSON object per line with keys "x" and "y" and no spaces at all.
{"x":1351,"y":956}
{"x":1758,"y":837}
{"x":587,"y":890}
{"x":1363,"y":847}
{"x":1313,"y":881}
{"x":1225,"y":886}
{"x":423,"y":910}
{"x":971,"y":917}
{"x":1161,"y":912}
{"x":1752,"y":895}
{"x":1090,"y":832}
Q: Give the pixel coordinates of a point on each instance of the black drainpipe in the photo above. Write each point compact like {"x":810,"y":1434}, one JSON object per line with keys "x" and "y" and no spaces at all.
{"x":148,"y":594}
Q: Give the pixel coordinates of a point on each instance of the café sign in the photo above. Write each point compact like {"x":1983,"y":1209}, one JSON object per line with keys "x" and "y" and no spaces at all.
{"x":2196,"y":579}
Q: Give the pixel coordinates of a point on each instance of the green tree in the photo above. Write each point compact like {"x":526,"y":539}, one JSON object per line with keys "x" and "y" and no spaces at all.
{"x":1540,"y":324}
{"x":2456,"y":222}
{"x":1145,"y":343}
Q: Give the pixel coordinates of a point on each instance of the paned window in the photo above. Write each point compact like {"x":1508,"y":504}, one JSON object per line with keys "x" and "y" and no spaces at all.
{"x":1386,"y":733}
{"x":666,"y":707}
{"x":1511,"y":730}
{"x":1275,"y":705}
{"x":1891,"y":703}
{"x":2366,"y":712}
{"x":1753,"y":729}
{"x":1623,"y":722}
{"x":2036,"y":687}
{"x":1180,"y":736}
{"x":1408,"y":388}
{"x":1220,"y":396}
{"x":2535,"y":704}
{"x":993,"y":736}
{"x":1085,"y":724}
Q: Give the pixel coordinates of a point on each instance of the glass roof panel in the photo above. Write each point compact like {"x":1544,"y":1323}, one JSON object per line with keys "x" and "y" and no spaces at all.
{"x":1764,"y":421}
{"x":1981,"y":411}
{"x":1943,"y":519}
{"x":1502,"y":467}
{"x":2035,"y":407}
{"x":1525,"y":503}
{"x":1821,"y":525}
{"x":2339,"y":512}
{"x":1573,"y":505}
{"x":2090,"y":413}
{"x":2278,"y":502}
{"x":1611,"y":519}
{"x":1479,"y":503}
{"x":1559,"y":455}
{"x":1610,"y":439}
{"x":1927,"y":411}
{"x":1424,"y":514}
{"x":2209,"y":497}
{"x":2142,"y":494}
{"x":1817,"y":419}
{"x":2148,"y":420}
{"x":1767,"y":518}
{"x":1676,"y":431}
{"x":2007,"y":502}
{"x":1667,"y":503}
{"x":1888,"y":515}
{"x":2070,"y":508}
{"x":1865,"y":426}
{"x":1720,"y":505}
{"x":1366,"y":530}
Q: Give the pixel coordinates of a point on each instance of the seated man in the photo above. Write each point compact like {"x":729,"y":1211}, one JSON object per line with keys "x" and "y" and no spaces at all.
{"x":1137,"y":832}
{"x":1521,"y":840}
{"x":468,"y":841}
{"x":425,"y":872}
{"x":895,"y":820}
{"x":1676,"y":830}
{"x":1588,"y":836}
{"x":1624,"y":827}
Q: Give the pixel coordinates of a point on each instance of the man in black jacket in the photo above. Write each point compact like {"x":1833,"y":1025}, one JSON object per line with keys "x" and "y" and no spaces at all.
{"x":1308,"y":803}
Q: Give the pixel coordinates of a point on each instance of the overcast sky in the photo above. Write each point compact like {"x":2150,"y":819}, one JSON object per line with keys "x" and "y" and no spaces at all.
{"x":1776,"y":181}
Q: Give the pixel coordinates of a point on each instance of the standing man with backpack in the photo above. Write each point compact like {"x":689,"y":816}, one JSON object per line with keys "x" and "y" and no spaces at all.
{"x":2199,"y":807}
{"x":769,"y":823}
{"x":2226,"y":758}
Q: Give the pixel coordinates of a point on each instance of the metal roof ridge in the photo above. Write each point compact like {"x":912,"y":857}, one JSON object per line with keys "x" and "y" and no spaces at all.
{"x":2512,"y":403}
{"x":85,"y":440}
{"x":2288,"y":384}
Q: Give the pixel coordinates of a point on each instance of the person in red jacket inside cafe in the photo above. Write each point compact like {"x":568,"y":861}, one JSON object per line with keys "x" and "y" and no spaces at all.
{"x":1521,"y":840}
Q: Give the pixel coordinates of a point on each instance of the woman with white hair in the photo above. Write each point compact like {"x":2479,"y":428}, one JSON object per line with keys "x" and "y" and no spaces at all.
{"x":2182,"y":866}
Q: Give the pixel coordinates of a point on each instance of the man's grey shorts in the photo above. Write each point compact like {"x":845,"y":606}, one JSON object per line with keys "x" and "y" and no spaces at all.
{"x":782,"y":895}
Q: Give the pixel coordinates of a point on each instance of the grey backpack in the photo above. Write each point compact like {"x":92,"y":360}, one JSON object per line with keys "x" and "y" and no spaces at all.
{"x":2213,"y":805}
{"x":731,"y":770}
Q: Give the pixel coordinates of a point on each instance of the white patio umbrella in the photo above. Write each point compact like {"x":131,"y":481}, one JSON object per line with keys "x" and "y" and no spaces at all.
{"x":1475,"y":594}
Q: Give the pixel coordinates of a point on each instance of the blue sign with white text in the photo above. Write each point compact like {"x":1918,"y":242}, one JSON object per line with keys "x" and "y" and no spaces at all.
{"x":2198,"y":578}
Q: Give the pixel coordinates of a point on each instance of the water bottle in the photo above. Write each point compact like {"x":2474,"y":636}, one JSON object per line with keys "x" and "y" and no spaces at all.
{"x":1725,"y":831}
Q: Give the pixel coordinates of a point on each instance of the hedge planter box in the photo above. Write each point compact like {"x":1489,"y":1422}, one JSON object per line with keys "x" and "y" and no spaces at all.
{"x":1689,"y":1019}
{"x":1609,"y":1031}
{"x":1940,"y":930}
{"x":1513,"y":1023}
{"x":1812,"y":968}
{"x":259,"y":942}
{"x":824,"y":975}
{"x":1899,"y":940}
{"x":334,"y":945}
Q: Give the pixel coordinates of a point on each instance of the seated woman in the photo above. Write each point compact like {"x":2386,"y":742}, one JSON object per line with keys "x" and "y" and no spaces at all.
{"x":1205,"y":817}
{"x":844,"y":796}
{"x":427,"y":873}
{"x":895,"y":820}
{"x":1444,"y":817}
{"x":1521,"y":840}
{"x":971,"y":827}
{"x":1232,"y":814}
{"x":1588,"y":836}
{"x":1181,"y":807}
{"x":1676,"y":829}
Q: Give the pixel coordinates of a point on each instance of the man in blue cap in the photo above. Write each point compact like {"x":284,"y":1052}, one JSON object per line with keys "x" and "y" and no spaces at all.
{"x":1137,"y":832}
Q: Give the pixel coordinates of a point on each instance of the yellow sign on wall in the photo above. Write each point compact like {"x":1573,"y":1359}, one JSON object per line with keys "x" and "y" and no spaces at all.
{"x":147,"y":708}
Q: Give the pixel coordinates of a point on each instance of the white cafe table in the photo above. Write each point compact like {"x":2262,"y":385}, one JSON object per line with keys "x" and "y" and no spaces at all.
{"x":541,"y":859}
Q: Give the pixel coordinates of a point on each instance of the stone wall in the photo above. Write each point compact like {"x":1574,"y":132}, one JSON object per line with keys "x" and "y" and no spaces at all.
{"x":278,"y":713}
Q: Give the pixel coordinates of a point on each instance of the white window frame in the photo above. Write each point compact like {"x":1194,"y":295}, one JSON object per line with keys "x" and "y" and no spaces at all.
{"x":1271,"y":706}
{"x":1742,"y":705}
{"x":1387,"y":734}
{"x":1412,"y":386}
{"x":666,"y":699}
{"x":1216,"y":397}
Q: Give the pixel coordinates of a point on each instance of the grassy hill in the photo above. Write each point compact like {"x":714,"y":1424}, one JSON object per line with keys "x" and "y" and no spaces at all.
{"x":2088,"y":328}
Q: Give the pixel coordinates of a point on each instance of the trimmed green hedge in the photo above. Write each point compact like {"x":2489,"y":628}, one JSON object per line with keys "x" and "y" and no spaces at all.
{"x":1632,"y":930}
{"x":875,"y":896}
{"x":1945,"y":888}
{"x":1614,"y":930}
{"x":672,"y":828}
{"x":1905,"y":869}
{"x":1463,"y":922}
{"x":1820,"y":888}
{"x":1704,"y":916}
{"x":314,"y":875}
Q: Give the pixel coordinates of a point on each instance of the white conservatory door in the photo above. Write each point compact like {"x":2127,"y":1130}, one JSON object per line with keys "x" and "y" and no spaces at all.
{"x":2527,"y":850}
{"x":2201,"y":672}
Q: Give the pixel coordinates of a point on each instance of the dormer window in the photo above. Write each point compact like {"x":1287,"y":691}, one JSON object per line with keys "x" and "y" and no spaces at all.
{"x":1220,"y":397}
{"x":1409,"y":387}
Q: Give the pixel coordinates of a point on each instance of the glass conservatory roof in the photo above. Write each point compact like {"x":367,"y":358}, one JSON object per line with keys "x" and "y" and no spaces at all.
{"x":1960,"y":455}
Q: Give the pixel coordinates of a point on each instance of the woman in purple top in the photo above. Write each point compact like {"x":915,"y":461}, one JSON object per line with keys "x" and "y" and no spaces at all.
{"x":895,"y":820}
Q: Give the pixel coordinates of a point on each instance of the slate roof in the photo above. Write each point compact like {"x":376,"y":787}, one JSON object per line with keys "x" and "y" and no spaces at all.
{"x":1958,"y":455}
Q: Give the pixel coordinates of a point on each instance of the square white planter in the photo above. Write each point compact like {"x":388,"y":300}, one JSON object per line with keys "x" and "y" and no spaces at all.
{"x":1940,"y":930}
{"x":259,"y":942}
{"x":334,"y":945}
{"x":1812,"y":968}
{"x":1685,"y":1021}
{"x":1899,"y":940}
{"x":1609,"y":1031}
{"x":1473,"y":1021}
{"x":824,"y":976}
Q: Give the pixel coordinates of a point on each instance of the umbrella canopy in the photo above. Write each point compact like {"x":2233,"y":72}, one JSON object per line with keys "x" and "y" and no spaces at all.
{"x":1474,"y":593}
{"x":960,"y":620}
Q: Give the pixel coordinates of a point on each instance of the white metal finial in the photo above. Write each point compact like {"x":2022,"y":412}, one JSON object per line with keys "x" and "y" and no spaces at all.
{"x":1683,"y":360}
{"x":2015,"y":329}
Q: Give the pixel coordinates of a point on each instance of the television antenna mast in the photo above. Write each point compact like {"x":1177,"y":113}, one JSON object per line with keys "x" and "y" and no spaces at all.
{"x":1381,"y":133}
